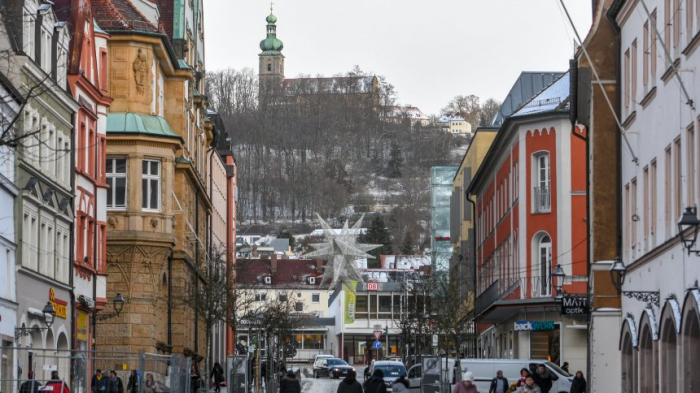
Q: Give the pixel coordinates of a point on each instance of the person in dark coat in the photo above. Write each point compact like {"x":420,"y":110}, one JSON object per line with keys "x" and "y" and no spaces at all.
{"x":350,"y":384}
{"x":133,"y":385}
{"x":579,"y":383}
{"x":290,"y":383}
{"x":99,"y":382}
{"x":195,"y":379}
{"x":565,"y":367}
{"x":499,"y":384}
{"x":31,"y":385}
{"x":376,"y":383}
{"x":542,"y":378}
{"x":524,"y":373}
{"x":114,"y":383}
{"x":218,"y":374}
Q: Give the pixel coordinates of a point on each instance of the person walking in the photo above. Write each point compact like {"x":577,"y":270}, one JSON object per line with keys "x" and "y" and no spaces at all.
{"x":579,"y":383}
{"x":529,"y":386}
{"x":31,"y":385}
{"x":217,"y":373}
{"x":565,"y":367}
{"x":543,"y":379}
{"x":513,"y":388}
{"x":523,"y":375}
{"x":132,"y":386}
{"x":56,"y":384}
{"x":195,"y":379}
{"x":99,"y":382}
{"x":114,"y":383}
{"x":350,"y":384}
{"x":375,"y":383}
{"x":400,"y":385}
{"x":466,"y":385}
{"x":150,"y":386}
{"x":290,"y":383}
{"x":499,"y":384}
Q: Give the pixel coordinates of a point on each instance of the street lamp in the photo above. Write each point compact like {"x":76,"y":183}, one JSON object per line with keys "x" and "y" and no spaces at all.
{"x":118,"y":304}
{"x":558,"y":276}
{"x":617,"y":273}
{"x":688,"y":229}
{"x":49,"y":315}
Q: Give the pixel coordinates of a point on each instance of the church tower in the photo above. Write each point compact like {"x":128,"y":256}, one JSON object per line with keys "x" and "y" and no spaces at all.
{"x":271,"y":69}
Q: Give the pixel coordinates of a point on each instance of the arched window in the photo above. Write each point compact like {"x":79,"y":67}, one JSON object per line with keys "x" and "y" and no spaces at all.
{"x":542,"y":266}
{"x":669,"y":353}
{"x":691,"y":344}
{"x":646,"y":360}
{"x":629,"y":368}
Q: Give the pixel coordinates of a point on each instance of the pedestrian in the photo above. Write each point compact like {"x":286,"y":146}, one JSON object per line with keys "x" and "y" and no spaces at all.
{"x":366,"y":373}
{"x":150,"y":386}
{"x":523,"y":374}
{"x":263,"y":373}
{"x":542,"y":378}
{"x":375,"y":384}
{"x":579,"y":383}
{"x":290,"y":383}
{"x":350,"y":384}
{"x":565,"y":367}
{"x":99,"y":382}
{"x":31,"y":385}
{"x":513,"y":388}
{"x":217,"y":374}
{"x":56,"y":384}
{"x":499,"y":384}
{"x":400,"y":385}
{"x":132,"y":386}
{"x":466,"y":385}
{"x":529,"y":386}
{"x":114,"y":383}
{"x":195,"y":379}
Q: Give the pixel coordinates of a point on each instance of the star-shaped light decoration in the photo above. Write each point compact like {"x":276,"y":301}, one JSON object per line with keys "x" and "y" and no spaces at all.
{"x":341,"y":250}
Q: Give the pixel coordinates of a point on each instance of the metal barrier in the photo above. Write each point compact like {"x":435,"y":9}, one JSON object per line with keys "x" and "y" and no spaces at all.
{"x":170,"y":373}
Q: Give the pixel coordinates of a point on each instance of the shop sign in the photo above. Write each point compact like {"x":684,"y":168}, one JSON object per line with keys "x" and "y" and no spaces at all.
{"x":82,"y":327}
{"x":372,"y":286}
{"x":533,"y":326}
{"x":350,"y":302}
{"x":61,"y":306}
{"x":574,"y":305}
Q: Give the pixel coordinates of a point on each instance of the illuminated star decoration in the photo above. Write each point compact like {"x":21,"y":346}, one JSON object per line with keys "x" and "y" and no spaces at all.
{"x":341,"y":250}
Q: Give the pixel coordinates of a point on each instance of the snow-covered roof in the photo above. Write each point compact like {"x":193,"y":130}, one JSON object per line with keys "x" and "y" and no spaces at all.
{"x":447,"y":119}
{"x":404,"y":262}
{"x":554,"y":96}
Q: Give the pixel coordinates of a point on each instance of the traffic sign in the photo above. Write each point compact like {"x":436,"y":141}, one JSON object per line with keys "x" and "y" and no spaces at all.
{"x":377,"y":335}
{"x":377,"y":344}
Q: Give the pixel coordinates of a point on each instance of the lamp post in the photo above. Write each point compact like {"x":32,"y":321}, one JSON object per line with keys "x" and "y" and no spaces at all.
{"x":558,"y":277}
{"x":49,"y":314}
{"x":118,"y":304}
{"x":688,"y":229}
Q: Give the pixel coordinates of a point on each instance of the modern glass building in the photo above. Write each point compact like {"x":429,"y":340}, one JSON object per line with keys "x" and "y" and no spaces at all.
{"x":441,"y":178}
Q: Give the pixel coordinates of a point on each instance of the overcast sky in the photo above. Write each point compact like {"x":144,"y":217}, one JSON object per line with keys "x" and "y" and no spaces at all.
{"x":430,"y":50}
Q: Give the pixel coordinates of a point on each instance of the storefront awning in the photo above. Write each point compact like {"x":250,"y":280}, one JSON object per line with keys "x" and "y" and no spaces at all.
{"x":504,"y":310}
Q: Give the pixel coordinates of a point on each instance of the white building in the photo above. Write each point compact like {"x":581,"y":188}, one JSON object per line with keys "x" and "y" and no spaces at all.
{"x":455,"y":125}
{"x":9,"y":105}
{"x":660,"y":329}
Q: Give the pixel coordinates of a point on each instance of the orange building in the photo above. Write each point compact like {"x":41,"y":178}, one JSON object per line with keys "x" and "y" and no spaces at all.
{"x":530,"y":196}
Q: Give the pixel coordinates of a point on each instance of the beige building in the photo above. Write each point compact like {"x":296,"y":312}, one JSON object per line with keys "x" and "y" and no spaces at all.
{"x":455,"y":125}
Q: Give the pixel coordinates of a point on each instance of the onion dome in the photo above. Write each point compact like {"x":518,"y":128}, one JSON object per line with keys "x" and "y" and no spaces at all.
{"x":271,"y":45}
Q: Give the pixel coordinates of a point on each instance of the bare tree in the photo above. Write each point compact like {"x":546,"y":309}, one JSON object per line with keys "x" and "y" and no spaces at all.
{"x":488,"y":111}
{"x":467,"y":107}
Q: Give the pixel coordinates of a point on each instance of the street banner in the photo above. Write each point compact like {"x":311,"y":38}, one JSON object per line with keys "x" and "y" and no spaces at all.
{"x":350,"y":302}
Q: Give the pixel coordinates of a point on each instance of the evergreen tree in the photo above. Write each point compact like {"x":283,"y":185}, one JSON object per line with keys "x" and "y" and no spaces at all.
{"x":393,"y":168}
{"x":377,"y":233}
{"x":407,"y":246}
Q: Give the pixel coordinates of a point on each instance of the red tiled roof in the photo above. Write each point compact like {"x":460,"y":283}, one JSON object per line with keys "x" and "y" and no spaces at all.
{"x":165,"y":8}
{"x":114,"y":15}
{"x":291,"y":273}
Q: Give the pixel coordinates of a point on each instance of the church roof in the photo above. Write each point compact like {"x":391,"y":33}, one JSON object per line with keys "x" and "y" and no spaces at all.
{"x":271,"y":45}
{"x":332,"y":85}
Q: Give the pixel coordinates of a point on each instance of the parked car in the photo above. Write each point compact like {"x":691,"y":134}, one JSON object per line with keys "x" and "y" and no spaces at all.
{"x":485,"y":369}
{"x":392,"y":371}
{"x":332,"y":368}
{"x":321,"y":356}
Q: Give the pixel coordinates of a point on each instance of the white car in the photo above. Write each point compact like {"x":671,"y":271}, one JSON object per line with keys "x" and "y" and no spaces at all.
{"x":321,"y":356}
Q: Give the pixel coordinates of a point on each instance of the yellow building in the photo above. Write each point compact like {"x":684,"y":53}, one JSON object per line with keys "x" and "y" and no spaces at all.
{"x":157,"y":163}
{"x":461,"y":216}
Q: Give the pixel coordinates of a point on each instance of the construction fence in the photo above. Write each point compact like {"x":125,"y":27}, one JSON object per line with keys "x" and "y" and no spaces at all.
{"x":169,"y":373}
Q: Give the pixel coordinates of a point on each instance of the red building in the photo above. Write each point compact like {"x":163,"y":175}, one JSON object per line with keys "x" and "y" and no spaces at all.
{"x":530,"y":207}
{"x":88,"y":84}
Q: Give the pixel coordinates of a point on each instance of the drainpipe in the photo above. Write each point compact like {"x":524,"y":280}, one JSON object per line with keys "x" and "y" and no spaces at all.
{"x":72,"y":241}
{"x":196,"y":271}
{"x":170,"y":299}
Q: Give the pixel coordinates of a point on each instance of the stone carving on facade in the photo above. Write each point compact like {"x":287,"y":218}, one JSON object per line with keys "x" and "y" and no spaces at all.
{"x":154,"y":222}
{"x":112,"y":221}
{"x":140,"y":67}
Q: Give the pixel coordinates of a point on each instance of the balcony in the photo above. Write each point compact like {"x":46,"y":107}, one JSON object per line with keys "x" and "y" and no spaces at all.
{"x":543,"y":200}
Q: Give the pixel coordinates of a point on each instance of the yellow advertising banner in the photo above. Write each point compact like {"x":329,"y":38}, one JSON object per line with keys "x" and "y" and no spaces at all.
{"x":350,"y":302}
{"x":81,"y":327}
{"x":61,"y":306}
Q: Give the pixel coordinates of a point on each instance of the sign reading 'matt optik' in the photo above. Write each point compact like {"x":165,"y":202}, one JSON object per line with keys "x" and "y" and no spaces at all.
{"x":574,"y":305}
{"x":533,"y":326}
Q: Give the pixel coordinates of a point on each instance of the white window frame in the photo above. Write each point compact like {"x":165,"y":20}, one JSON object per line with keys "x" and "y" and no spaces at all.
{"x":150,"y":176}
{"x":109,"y":176}
{"x":542,"y":178}
{"x":315,"y":295}
{"x":543,"y":273}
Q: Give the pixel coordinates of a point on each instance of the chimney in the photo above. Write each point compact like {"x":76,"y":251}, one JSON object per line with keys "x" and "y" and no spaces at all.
{"x":319,"y":266}
{"x":273,"y":264}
